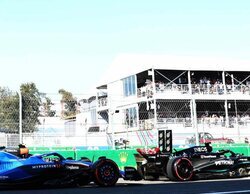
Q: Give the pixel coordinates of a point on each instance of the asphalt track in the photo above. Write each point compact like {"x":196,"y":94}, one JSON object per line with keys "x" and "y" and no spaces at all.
{"x":220,"y":186}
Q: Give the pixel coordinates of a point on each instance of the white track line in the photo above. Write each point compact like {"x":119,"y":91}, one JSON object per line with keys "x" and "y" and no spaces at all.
{"x":228,"y":192}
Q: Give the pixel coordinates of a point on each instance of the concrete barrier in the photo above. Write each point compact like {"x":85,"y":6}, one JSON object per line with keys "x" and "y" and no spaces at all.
{"x":123,"y":157}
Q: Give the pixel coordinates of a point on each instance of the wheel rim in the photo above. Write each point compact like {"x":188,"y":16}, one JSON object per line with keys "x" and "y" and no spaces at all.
{"x":106,"y":174}
{"x":242,"y":172}
{"x":183,"y":169}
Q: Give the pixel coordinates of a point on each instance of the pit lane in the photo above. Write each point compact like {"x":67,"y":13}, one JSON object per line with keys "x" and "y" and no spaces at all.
{"x":218,"y":186}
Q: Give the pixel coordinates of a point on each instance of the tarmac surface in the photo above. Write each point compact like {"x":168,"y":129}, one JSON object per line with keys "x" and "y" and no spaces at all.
{"x":218,"y":186}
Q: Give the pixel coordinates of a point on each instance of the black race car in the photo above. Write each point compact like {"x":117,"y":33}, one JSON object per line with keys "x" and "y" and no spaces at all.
{"x":198,"y":162}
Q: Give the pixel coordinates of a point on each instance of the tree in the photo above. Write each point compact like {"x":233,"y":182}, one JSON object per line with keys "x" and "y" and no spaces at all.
{"x":68,"y":104}
{"x":31,"y":101}
{"x":9,"y":111}
{"x":46,"y":105}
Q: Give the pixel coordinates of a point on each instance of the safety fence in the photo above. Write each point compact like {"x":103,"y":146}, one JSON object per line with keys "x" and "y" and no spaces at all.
{"x":44,"y":123}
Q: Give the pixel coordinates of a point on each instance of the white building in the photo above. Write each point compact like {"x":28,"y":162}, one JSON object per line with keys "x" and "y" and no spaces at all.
{"x":140,"y":94}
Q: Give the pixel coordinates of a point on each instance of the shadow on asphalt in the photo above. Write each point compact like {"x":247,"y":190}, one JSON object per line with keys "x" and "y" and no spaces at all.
{"x":142,"y":187}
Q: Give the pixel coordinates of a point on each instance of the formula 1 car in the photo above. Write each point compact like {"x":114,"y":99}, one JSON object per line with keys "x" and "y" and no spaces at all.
{"x":198,"y":162}
{"x":52,"y":169}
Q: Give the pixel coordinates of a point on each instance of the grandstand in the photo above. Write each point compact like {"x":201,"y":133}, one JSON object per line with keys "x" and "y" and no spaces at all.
{"x":140,"y":94}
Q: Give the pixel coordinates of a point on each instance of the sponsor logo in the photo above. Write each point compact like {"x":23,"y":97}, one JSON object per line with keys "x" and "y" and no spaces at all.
{"x":46,"y":166}
{"x":208,"y":156}
{"x":200,"y":149}
{"x":123,"y":157}
{"x":93,"y":148}
{"x":10,"y":150}
{"x":4,"y":177}
{"x":130,"y":170}
{"x":224,"y":162}
{"x":243,"y":159}
{"x":72,"y":167}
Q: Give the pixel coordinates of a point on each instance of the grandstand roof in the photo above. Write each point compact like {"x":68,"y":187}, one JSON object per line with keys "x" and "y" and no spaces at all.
{"x":129,"y":64}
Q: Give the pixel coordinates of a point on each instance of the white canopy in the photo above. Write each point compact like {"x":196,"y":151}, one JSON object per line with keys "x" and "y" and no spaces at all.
{"x":129,"y":64}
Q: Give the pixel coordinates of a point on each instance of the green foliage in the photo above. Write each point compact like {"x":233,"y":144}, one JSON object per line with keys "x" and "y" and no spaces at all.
{"x":69,"y":103}
{"x":47,"y":112}
{"x":9,"y":109}
{"x":31,"y":102}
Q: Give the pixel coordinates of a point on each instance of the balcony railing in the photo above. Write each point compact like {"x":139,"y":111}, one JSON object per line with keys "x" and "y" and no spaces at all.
{"x":210,"y":89}
{"x":103,"y":102}
{"x":162,"y":87}
{"x":148,"y":124}
{"x":218,"y":89}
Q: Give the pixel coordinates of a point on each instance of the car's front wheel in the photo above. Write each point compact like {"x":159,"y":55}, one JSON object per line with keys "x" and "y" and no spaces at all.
{"x":106,"y":172}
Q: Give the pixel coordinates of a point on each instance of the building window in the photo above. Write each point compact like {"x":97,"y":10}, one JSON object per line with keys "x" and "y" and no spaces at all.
{"x":129,"y":86}
{"x":131,"y":117}
{"x":93,"y":115}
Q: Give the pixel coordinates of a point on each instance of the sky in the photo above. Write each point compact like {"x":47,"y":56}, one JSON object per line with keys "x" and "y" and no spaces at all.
{"x":70,"y":43}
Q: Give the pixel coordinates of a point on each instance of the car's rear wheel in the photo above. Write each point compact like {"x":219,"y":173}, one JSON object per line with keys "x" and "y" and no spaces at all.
{"x":106,"y":172}
{"x":180,"y":169}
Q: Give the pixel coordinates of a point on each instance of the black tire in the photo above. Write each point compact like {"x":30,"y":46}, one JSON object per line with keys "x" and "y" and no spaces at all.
{"x":180,"y":169}
{"x":106,"y":173}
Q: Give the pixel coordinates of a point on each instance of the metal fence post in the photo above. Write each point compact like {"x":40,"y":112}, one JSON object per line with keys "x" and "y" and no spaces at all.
{"x":20,"y":118}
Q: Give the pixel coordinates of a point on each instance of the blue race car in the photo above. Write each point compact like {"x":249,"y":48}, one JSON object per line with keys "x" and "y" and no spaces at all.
{"x":52,"y":169}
